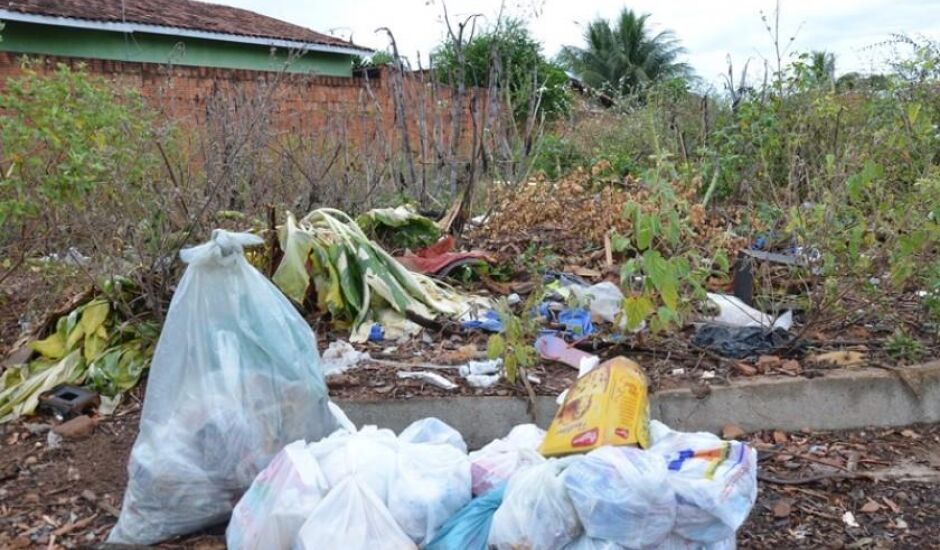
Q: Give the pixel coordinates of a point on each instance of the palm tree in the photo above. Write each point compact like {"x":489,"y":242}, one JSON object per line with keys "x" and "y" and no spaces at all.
{"x":626,"y":57}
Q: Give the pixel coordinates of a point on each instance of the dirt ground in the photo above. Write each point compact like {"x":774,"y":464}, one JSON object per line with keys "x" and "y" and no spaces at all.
{"x":888,"y":479}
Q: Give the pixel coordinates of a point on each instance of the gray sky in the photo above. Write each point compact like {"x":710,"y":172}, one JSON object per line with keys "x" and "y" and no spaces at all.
{"x":710,"y":30}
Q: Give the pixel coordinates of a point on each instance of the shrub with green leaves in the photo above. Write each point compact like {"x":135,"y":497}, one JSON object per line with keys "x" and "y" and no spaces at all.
{"x":66,"y":136}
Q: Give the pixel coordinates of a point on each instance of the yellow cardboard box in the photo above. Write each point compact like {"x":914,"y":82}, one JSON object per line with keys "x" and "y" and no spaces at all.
{"x":607,"y":406}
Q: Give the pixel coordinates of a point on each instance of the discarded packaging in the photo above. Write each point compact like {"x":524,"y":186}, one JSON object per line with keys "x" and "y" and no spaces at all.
{"x":536,"y":511}
{"x":340,"y":356}
{"x":430,"y":377}
{"x":352,"y":517}
{"x":439,"y":260}
{"x":732,"y":311}
{"x":272,"y":511}
{"x":607,"y":406}
{"x":605,"y":301}
{"x":482,"y":374}
{"x":469,"y":528}
{"x":715,"y":482}
{"x":235,"y":377}
{"x":585,"y":542}
{"x":741,"y":342}
{"x":489,"y":322}
{"x":621,"y":495}
{"x":498,"y":460}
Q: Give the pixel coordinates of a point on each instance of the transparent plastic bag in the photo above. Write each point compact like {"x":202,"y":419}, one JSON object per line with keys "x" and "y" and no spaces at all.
{"x":536,"y":512}
{"x":497,"y":461}
{"x":715,"y":482}
{"x":469,"y":528}
{"x":433,"y":430}
{"x":585,"y":542}
{"x":369,"y":454}
{"x":675,"y":542}
{"x":352,"y":517}
{"x":621,"y":495}
{"x":270,"y":514}
{"x":234,"y":378}
{"x":431,"y":483}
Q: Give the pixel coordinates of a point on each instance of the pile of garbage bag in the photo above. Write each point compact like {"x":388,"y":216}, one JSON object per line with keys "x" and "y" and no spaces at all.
{"x":367,"y":488}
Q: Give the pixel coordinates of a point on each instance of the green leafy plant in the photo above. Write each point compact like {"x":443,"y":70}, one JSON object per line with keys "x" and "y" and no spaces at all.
{"x":515,"y":345}
{"x":904,"y":348}
{"x":665,"y":276}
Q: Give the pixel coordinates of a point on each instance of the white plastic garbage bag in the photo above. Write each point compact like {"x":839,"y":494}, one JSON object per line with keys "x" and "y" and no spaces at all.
{"x":234,"y":378}
{"x":734,"y":312}
{"x":715,"y":482}
{"x":536,"y":511}
{"x":370,"y":454}
{"x":585,"y":542}
{"x":621,"y":495}
{"x":352,"y":517}
{"x":271,"y":512}
{"x":431,"y":483}
{"x":675,"y":542}
{"x":605,"y":300}
{"x":433,"y":430}
{"x":495,"y":463}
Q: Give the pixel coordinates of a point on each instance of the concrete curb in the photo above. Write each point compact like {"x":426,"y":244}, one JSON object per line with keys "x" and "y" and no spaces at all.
{"x":843,"y":399}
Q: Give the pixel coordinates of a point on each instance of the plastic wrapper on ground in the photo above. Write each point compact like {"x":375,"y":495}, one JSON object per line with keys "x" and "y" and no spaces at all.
{"x":271,"y":512}
{"x":621,"y":495}
{"x":352,"y":517}
{"x":469,"y":528}
{"x":496,"y":462}
{"x":536,"y":512}
{"x":234,"y":378}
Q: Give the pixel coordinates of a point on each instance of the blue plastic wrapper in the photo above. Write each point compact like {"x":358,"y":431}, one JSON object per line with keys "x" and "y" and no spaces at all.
{"x":577,"y":322}
{"x":489,"y":321}
{"x":469,"y":528}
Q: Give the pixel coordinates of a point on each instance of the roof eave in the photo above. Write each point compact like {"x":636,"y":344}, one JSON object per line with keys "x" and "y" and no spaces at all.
{"x":114,"y":26}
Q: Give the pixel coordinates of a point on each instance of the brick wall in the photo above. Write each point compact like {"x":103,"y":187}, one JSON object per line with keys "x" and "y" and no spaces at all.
{"x":362,"y":107}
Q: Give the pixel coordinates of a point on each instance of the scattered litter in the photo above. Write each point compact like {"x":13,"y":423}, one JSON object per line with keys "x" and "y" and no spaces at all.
{"x":533,"y":378}
{"x":621,"y":494}
{"x":66,"y":401}
{"x":678,"y":372}
{"x":53,"y":440}
{"x":489,"y":321}
{"x":491,"y":366}
{"x":482,"y":380}
{"x":605,"y":301}
{"x":708,"y":375}
{"x":735,"y":313}
{"x":536,"y":511}
{"x":376,"y":333}
{"x":839,"y":358}
{"x":234,"y":378}
{"x":607,"y":406}
{"x":577,"y":322}
{"x":513,"y":299}
{"x":848,"y":518}
{"x":553,"y":348}
{"x":741,"y":342}
{"x":339,"y":357}
{"x":430,"y":377}
{"x":438,"y":259}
